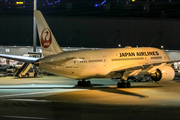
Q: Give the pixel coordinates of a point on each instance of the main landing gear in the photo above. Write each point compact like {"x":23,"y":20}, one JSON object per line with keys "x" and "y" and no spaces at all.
{"x":123,"y":84}
{"x":84,"y":83}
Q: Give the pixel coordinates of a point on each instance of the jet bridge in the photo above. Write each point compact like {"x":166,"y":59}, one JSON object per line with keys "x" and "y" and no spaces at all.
{"x":23,"y":71}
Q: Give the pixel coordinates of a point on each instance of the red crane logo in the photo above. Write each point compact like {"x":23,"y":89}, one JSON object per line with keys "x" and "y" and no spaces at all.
{"x":46,"y":38}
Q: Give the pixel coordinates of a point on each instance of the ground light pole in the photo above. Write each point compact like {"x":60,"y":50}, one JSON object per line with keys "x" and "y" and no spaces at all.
{"x":34,"y":30}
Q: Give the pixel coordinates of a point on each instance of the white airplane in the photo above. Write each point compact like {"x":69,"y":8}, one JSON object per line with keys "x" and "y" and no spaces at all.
{"x":121,"y":63}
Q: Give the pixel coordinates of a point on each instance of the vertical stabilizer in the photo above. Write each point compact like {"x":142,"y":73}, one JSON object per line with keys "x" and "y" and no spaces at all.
{"x":49,"y":44}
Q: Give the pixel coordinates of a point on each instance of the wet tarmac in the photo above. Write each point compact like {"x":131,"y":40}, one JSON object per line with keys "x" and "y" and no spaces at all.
{"x":57,"y":98}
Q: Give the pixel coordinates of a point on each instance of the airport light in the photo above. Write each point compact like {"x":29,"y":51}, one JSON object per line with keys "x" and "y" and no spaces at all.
{"x":20,"y":3}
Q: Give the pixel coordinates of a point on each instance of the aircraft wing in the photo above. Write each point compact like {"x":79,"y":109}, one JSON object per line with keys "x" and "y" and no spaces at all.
{"x":136,"y":66}
{"x":19,"y":58}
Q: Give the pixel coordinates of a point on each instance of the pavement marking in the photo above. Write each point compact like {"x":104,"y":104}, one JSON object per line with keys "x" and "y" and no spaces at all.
{"x":36,"y":93}
{"x":34,"y":86}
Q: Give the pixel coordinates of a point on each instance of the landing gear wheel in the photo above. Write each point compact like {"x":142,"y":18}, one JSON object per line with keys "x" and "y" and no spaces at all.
{"x":123,"y":85}
{"x":88,"y":83}
{"x":79,"y":83}
{"x":83,"y":83}
{"x":128,"y":84}
{"x":119,"y":85}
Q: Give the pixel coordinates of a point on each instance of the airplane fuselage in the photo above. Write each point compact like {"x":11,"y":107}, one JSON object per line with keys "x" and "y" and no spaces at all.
{"x":101,"y":62}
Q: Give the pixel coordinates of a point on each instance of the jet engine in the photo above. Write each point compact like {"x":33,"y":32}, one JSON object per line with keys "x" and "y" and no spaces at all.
{"x":165,"y":73}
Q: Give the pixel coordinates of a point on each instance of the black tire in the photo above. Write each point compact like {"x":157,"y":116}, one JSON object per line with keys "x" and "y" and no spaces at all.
{"x":119,"y":85}
{"x":128,"y":84}
{"x":88,"y":83}
{"x":84,"y":83}
{"x":79,"y":83}
{"x":124,"y":85}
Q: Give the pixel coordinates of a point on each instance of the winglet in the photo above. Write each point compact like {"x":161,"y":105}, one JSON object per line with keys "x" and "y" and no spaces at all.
{"x":48,"y":42}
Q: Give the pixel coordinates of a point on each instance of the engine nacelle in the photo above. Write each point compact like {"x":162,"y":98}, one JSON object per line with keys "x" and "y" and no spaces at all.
{"x":165,"y":73}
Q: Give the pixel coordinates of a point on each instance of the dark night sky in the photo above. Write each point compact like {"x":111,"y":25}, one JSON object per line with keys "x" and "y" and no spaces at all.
{"x":83,"y":24}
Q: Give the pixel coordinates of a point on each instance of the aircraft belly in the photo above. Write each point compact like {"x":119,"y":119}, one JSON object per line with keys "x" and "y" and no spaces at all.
{"x":80,"y":72}
{"x":57,"y":70}
{"x":84,"y":72}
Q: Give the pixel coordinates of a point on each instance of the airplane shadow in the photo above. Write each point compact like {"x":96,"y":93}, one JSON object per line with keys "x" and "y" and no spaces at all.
{"x":98,"y":87}
{"x":118,"y":91}
{"x":145,"y":86}
{"x":25,"y":77}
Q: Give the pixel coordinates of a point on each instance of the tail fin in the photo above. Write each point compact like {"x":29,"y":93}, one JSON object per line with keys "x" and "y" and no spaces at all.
{"x":49,"y":44}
